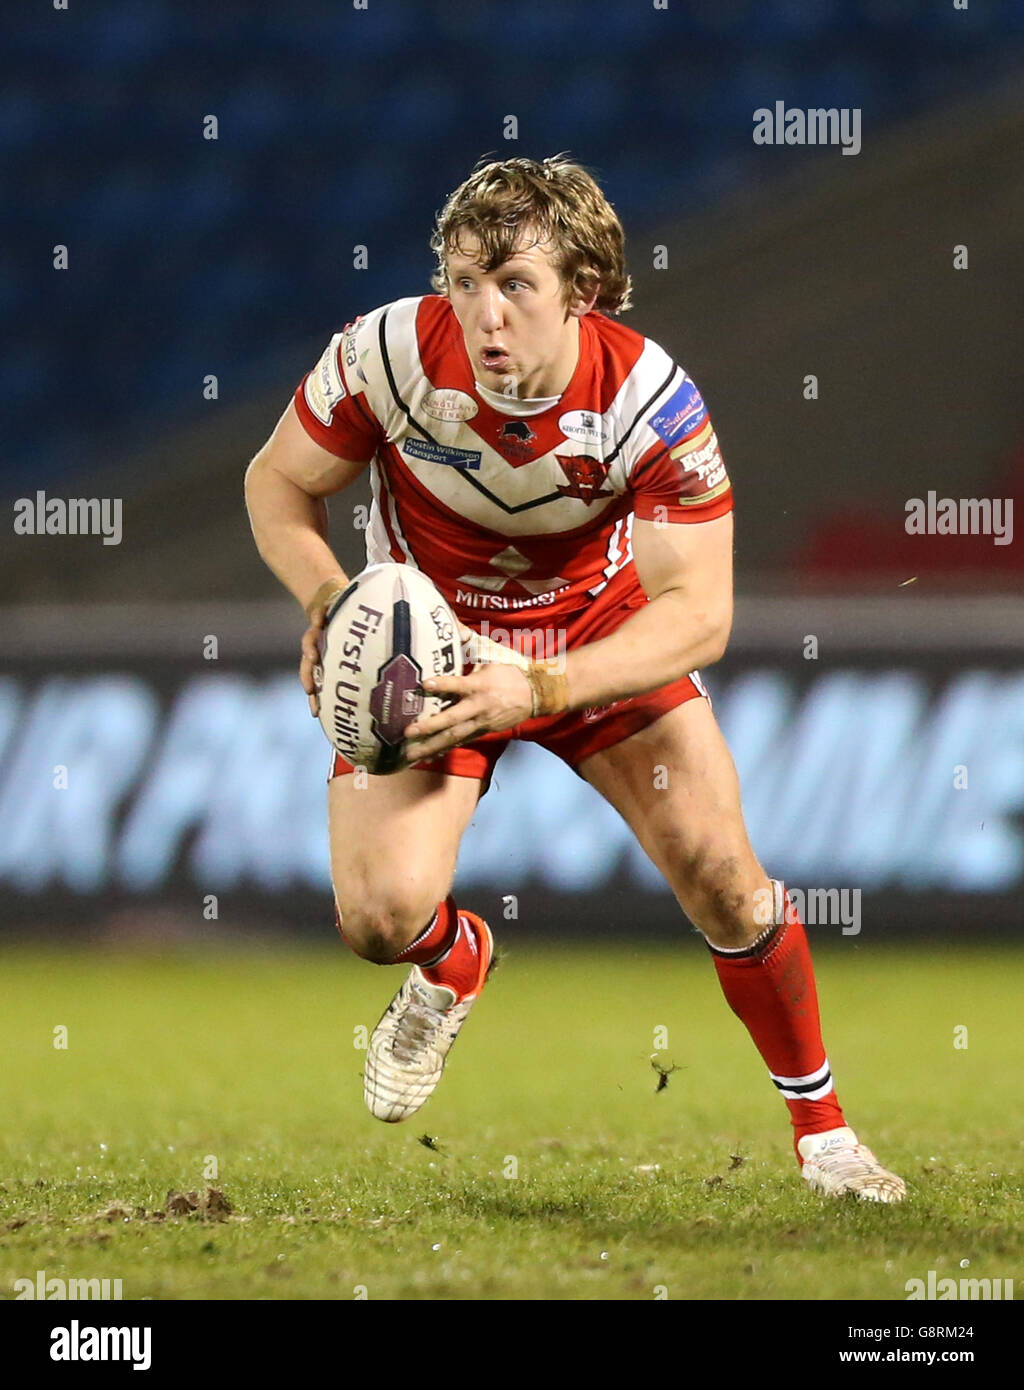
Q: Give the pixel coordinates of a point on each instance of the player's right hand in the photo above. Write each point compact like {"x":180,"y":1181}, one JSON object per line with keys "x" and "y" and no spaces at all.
{"x":311,"y":657}
{"x":309,"y":666}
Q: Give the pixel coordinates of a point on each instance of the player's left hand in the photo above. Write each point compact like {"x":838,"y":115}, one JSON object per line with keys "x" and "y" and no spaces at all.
{"x":492,"y":697}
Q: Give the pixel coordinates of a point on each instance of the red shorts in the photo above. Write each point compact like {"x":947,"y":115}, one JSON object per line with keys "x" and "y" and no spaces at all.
{"x":573,"y":736}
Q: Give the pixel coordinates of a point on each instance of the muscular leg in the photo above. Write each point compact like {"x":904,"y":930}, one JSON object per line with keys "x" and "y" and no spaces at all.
{"x":676,"y":786}
{"x":394,"y":844}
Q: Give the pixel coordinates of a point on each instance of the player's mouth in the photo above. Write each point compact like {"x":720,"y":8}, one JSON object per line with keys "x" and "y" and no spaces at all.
{"x":495,"y":359}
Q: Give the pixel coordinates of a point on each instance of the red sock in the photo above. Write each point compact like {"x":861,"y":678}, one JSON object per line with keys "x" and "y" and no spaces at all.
{"x":771,"y":988}
{"x":436,"y":939}
{"x":448,"y":951}
{"x":460,"y":968}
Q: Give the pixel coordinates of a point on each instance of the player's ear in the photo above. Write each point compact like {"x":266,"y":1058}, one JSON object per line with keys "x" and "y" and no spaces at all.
{"x":584,"y":293}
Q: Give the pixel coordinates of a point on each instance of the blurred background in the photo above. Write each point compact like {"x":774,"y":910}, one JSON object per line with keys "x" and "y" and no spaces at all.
{"x":854,"y":322}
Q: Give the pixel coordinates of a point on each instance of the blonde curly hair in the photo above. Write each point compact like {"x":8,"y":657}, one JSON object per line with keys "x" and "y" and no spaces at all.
{"x":556,"y":200}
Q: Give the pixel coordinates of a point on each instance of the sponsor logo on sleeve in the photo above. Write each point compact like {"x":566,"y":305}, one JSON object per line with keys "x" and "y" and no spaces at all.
{"x":446,"y":403}
{"x":693,"y":442}
{"x":703,"y":459}
{"x":700,"y":462}
{"x":716,"y":486}
{"x":353,"y":357}
{"x":324,"y":386}
{"x":348,"y":345}
{"x":431,"y":452}
{"x":680,"y":414}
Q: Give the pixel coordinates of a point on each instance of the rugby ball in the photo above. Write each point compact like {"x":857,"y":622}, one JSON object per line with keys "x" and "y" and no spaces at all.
{"x":382,"y":636}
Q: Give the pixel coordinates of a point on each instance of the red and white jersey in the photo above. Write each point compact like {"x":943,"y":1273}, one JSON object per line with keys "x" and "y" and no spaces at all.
{"x":505,"y":511}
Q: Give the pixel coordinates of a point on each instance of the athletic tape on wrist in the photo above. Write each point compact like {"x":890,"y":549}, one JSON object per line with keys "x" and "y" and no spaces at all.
{"x":323,"y":595}
{"x":550,"y":690}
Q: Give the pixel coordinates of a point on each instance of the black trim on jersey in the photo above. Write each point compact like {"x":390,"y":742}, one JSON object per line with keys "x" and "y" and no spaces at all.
{"x":373,"y":423}
{"x":649,"y":463}
{"x":474,"y":482}
{"x":643,"y":411}
{"x":521,"y":507}
{"x":383,"y":343}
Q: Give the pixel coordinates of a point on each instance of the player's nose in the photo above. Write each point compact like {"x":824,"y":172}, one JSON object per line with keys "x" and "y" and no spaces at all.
{"x":492,"y":316}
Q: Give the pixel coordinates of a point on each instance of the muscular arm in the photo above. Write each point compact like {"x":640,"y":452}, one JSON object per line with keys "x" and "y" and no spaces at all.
{"x":686,"y":572}
{"x":285,"y":487}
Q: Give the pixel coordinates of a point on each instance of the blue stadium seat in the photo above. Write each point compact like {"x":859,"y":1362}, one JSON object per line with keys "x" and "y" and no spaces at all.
{"x":340,"y":126}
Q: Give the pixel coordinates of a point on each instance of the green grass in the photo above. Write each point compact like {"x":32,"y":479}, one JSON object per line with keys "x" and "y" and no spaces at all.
{"x":249,"y":1058}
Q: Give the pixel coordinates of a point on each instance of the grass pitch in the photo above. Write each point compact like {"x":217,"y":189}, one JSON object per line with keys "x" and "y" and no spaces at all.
{"x":557,"y":1169}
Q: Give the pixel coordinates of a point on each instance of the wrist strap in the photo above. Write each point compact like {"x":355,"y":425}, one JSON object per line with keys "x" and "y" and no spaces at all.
{"x":325,"y":593}
{"x":550,"y":689}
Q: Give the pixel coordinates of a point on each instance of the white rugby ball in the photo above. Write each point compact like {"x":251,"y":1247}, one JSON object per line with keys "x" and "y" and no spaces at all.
{"x":388,"y":631}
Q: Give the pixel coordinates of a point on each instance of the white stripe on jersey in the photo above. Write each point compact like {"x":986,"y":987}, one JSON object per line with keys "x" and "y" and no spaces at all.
{"x":620,"y":552}
{"x":633,"y":403}
{"x":378,"y":544}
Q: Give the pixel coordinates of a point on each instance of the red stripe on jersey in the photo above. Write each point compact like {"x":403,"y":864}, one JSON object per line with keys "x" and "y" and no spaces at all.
{"x":618,"y":348}
{"x":605,"y":345}
{"x":608,"y":353}
{"x":441,"y":345}
{"x":647,"y":509}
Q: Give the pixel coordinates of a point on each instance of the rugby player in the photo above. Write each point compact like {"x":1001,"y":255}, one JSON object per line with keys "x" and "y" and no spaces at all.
{"x":555,"y":472}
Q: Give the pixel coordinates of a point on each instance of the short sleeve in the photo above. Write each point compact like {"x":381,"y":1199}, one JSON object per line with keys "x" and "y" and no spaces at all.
{"x":682,"y":477}
{"x":332,"y":411}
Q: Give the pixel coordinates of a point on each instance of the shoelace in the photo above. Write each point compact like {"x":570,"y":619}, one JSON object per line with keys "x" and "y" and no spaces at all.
{"x":857,"y":1163}
{"x":848,"y":1163}
{"x":415,"y":1032}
